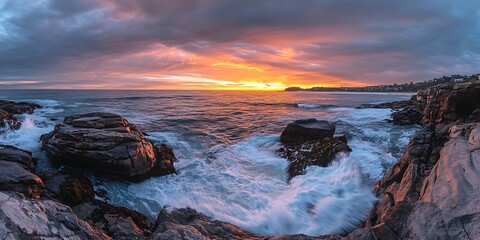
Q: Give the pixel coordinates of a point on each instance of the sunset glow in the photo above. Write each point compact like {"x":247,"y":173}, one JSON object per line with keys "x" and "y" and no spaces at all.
{"x":260,"y":45}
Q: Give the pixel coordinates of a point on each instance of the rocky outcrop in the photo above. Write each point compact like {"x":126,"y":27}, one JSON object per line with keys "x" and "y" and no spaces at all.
{"x":310,"y":142}
{"x":41,"y":219}
{"x":109,"y":144}
{"x":432,"y":191}
{"x":17,"y":172}
{"x":117,"y":222}
{"x":8,"y":109}
{"x":307,"y":129}
{"x":71,"y":189}
{"x":408,"y":112}
{"x":187,"y":223}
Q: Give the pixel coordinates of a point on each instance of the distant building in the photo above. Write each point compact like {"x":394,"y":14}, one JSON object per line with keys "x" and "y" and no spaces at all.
{"x":457,"y":80}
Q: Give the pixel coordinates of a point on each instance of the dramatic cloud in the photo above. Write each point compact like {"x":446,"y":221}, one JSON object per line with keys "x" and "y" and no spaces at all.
{"x":234,"y":44}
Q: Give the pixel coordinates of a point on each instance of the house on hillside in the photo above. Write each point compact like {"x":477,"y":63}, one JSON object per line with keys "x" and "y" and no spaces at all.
{"x":458,"y":79}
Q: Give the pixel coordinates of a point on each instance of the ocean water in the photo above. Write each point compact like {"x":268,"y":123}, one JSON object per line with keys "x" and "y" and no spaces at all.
{"x":226,"y":143}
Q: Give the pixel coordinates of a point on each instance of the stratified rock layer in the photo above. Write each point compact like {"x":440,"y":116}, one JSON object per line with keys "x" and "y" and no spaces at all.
{"x":107,"y":143}
{"x":41,"y":219}
{"x":16,"y":172}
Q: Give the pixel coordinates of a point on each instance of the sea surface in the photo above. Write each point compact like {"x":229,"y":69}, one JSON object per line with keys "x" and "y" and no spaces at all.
{"x":226,"y":143}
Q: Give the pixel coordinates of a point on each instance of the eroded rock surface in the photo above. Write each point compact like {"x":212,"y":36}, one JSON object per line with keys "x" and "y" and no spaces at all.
{"x":17,"y":172}
{"x":310,"y":142}
{"x":41,"y":219}
{"x":432,"y":192}
{"x":106,"y":143}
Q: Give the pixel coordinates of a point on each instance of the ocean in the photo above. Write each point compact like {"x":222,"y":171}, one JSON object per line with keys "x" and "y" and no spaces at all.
{"x":226,"y":143}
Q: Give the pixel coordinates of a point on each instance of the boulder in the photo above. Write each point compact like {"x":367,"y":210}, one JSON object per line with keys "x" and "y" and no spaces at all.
{"x":407,"y":116}
{"x":310,"y":142}
{"x":71,"y":189}
{"x":307,"y":129}
{"x":187,"y":223}
{"x":41,"y":219}
{"x":16,"y":172}
{"x":105,"y":143}
{"x":314,"y":152}
{"x":8,"y":109}
{"x":18,"y":107}
{"x":117,"y":222}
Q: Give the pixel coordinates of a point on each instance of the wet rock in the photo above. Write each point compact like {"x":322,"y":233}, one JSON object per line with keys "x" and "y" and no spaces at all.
{"x":396,"y":105}
{"x":105,"y":143}
{"x":407,"y":116}
{"x":314,"y":152}
{"x":432,"y":191}
{"x":187,"y":223}
{"x":310,"y":142}
{"x":41,"y":219}
{"x":117,"y":222}
{"x":70,"y":189}
{"x":16,"y":172}
{"x":8,"y":109}
{"x":307,"y":129}
{"x":18,"y":107}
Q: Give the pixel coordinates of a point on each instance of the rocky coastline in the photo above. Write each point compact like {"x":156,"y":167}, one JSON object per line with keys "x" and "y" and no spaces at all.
{"x":432,"y":192}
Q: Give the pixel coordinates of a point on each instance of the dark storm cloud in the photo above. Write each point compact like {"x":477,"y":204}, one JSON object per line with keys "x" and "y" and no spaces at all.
{"x":371,"y":41}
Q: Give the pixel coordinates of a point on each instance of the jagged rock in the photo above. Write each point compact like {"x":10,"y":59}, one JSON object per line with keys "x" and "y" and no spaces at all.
{"x":407,"y":116}
{"x":41,"y":219}
{"x":187,"y":223}
{"x":17,"y":155}
{"x":310,"y":142}
{"x":16,"y":172}
{"x":307,"y":129}
{"x":70,"y":189}
{"x":314,"y":152}
{"x":18,"y":108}
{"x":117,"y":222}
{"x":391,"y":105}
{"x":432,"y":191}
{"x":8,"y":109}
{"x":106,"y":143}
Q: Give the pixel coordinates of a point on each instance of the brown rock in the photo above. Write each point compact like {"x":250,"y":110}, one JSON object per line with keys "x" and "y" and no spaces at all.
{"x":105,"y":143}
{"x":307,"y":129}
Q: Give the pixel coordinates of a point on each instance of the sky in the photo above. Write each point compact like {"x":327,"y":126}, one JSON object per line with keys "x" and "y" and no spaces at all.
{"x":234,"y":44}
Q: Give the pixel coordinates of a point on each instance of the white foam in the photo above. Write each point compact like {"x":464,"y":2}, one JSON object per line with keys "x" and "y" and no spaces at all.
{"x":300,"y":105}
{"x":33,"y":126}
{"x":245,"y":184}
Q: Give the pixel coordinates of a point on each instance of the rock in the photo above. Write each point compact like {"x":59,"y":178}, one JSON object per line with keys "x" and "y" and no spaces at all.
{"x":448,"y":105}
{"x":407,"y":116}
{"x":432,"y":191}
{"x":310,"y":142}
{"x":314,"y":152}
{"x":105,"y":143}
{"x":187,"y":223}
{"x":18,"y":108}
{"x":8,"y":109}
{"x":307,"y":129}
{"x":16,"y":172}
{"x":41,"y":219}
{"x":117,"y":222}
{"x":17,"y":155}
{"x":397,"y":105}
{"x":70,"y":189}
{"x":407,"y":112}
{"x":165,"y":159}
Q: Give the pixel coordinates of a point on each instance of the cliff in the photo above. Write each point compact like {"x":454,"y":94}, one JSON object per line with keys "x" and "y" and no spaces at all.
{"x":433,"y":191}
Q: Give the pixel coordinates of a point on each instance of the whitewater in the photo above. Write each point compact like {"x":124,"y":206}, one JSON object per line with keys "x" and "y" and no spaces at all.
{"x":226,"y":146}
